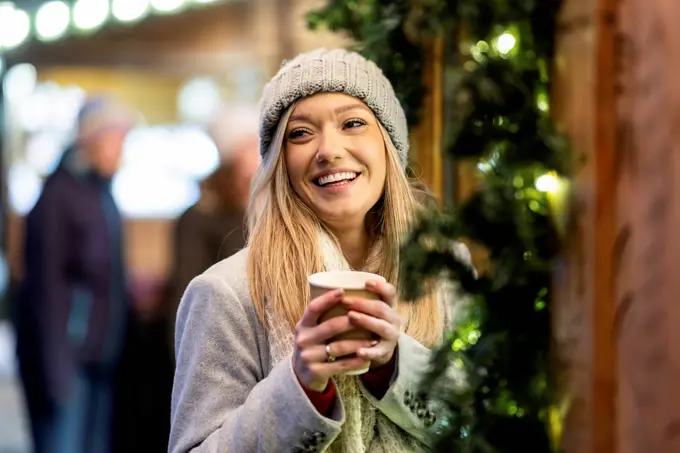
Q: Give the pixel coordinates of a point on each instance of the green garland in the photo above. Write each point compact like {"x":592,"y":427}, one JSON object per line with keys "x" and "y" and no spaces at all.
{"x":377,"y":29}
{"x":500,"y":119}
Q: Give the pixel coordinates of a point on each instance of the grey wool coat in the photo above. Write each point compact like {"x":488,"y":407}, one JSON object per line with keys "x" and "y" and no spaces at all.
{"x":229,"y":397}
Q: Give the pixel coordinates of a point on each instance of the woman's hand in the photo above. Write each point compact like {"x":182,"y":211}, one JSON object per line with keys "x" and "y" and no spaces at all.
{"x":311,"y":361}
{"x":380,"y":317}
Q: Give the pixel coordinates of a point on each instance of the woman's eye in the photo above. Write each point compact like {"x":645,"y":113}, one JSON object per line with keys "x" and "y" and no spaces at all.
{"x":296,"y":133}
{"x":351,"y":124}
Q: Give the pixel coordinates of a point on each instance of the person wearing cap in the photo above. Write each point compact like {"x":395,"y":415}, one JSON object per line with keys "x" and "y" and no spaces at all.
{"x":214,"y":227}
{"x":73,"y":304}
{"x":256,"y":370}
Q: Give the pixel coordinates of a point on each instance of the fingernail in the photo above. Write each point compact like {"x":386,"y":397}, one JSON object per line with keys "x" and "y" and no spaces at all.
{"x":338,"y":292}
{"x":354,"y":315}
{"x":374,"y":342}
{"x":371,"y":283}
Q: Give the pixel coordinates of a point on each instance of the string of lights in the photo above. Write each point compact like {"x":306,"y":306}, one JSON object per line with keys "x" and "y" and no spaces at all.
{"x":56,"y":19}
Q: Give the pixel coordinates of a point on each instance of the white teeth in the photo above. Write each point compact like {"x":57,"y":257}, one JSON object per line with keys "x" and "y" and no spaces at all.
{"x":336,"y":177}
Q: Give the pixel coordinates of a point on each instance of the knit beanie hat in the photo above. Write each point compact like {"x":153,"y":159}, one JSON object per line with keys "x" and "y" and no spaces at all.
{"x":337,"y":71}
{"x":104,"y":113}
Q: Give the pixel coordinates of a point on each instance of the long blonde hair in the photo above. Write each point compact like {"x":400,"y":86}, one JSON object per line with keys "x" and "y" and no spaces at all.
{"x":283,"y":240}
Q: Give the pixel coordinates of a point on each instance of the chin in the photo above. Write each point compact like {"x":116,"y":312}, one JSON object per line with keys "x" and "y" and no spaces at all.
{"x":342,"y":216}
{"x":344,"y":209}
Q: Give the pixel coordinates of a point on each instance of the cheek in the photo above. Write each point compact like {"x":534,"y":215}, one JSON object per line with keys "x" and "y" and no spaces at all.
{"x":377,"y":163}
{"x":111,"y":149}
{"x":296,"y":167}
{"x":112,"y":155}
{"x":378,"y":183}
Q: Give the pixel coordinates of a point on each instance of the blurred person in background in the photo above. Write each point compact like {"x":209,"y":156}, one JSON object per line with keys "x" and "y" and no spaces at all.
{"x":73,"y":303}
{"x":214,"y":227}
{"x":208,"y":231}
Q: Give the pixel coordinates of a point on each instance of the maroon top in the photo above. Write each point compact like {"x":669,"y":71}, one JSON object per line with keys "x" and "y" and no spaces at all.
{"x":376,"y":381}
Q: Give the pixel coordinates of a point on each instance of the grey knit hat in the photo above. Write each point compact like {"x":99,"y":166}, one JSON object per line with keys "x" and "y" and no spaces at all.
{"x":338,"y":71}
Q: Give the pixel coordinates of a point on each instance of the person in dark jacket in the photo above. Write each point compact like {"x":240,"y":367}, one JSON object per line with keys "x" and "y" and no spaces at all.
{"x":73,"y":304}
{"x":214,"y":227}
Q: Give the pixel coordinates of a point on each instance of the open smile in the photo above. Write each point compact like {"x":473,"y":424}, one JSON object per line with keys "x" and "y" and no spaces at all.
{"x":337,"y":181}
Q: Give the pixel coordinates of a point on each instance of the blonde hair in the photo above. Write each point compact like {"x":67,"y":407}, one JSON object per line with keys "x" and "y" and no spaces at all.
{"x":283,"y":240}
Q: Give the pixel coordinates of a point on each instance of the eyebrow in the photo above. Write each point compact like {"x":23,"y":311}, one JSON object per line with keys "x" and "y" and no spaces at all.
{"x":337,"y":111}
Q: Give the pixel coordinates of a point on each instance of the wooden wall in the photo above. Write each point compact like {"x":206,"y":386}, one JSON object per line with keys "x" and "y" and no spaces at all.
{"x":153,"y":94}
{"x":647,"y":258}
{"x":584,"y":107}
{"x":618,"y":96}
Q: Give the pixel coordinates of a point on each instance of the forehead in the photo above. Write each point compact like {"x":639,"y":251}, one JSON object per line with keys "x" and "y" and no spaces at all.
{"x":114,"y":133}
{"x":327,"y":104}
{"x":106,"y":138}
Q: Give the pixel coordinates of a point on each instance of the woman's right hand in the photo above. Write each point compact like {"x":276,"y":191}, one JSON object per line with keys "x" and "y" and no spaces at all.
{"x":310,"y":358}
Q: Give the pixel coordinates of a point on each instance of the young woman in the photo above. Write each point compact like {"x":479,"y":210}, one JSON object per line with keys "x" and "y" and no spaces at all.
{"x":256,"y":371}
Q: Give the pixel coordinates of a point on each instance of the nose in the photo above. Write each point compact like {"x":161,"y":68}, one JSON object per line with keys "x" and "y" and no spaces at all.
{"x":330,"y":147}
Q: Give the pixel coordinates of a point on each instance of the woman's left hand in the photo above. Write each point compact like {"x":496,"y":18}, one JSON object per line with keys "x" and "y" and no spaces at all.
{"x":379,"y":317}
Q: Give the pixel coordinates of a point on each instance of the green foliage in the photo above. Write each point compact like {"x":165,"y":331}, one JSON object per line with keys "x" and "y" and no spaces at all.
{"x":499,"y":81}
{"x":376,"y":27}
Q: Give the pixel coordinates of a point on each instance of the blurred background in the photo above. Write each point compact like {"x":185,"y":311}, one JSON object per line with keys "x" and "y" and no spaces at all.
{"x":182,"y":66}
{"x":167,"y":91}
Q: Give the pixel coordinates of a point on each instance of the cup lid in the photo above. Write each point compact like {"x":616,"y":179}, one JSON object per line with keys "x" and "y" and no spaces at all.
{"x":342,"y":279}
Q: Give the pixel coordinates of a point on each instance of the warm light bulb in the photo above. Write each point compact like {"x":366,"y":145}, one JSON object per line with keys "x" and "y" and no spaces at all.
{"x":484,"y":167}
{"x":505,"y":43}
{"x":90,"y":14}
{"x":167,"y":6}
{"x":52,"y":20}
{"x":15,"y":25}
{"x":542,"y":102}
{"x":129,"y":10}
{"x":547,"y":183}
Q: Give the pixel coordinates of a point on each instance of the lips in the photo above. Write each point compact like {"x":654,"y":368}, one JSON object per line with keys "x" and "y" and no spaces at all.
{"x":337,"y":178}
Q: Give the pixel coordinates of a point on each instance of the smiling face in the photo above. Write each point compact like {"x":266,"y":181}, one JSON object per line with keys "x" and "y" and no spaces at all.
{"x":336,"y":157}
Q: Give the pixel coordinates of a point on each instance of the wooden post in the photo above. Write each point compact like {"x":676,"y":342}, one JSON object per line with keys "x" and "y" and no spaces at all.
{"x":428,"y":152}
{"x":584,"y":105}
{"x":618,"y":289}
{"x":604,"y":387}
